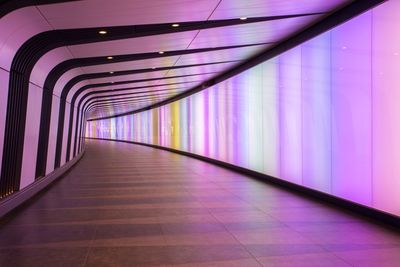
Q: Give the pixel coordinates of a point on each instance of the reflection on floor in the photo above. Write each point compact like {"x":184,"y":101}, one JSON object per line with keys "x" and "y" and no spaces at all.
{"x":129,"y":205}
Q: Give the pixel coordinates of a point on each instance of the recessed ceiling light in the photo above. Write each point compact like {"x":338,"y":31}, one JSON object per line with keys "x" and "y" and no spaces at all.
{"x":175,"y":25}
{"x":111,"y":72}
{"x":110,"y":57}
{"x":161,"y":52}
{"x":153,"y":68}
{"x":102,"y":32}
{"x":243,"y":18}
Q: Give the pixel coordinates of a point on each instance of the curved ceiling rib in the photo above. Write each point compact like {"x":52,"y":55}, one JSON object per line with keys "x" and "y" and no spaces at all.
{"x":114,"y":101}
{"x":130,"y":99}
{"x":114,"y":98}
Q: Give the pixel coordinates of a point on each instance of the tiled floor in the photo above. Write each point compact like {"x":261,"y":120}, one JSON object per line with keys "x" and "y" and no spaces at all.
{"x":129,"y":205}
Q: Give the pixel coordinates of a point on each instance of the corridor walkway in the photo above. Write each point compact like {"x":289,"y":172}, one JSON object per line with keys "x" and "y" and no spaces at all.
{"x":130,"y":205}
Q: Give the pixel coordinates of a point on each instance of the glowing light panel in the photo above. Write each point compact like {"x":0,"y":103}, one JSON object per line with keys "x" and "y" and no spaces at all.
{"x":324,"y":115}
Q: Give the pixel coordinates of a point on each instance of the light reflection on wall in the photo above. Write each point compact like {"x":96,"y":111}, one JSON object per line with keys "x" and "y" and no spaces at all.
{"x":324,"y":115}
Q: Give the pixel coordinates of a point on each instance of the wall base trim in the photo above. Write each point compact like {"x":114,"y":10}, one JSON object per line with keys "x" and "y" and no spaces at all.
{"x":16,"y":199}
{"x":376,"y":215}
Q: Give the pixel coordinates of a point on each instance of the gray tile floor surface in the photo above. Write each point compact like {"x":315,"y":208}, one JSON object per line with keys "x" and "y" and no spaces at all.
{"x":130,"y":205}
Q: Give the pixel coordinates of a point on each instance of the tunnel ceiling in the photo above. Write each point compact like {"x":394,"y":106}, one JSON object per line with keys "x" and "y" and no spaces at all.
{"x":181,"y":44}
{"x":63,"y":62}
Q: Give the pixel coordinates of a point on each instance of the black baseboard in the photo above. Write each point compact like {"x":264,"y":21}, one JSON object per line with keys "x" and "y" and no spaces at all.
{"x":377,"y":216}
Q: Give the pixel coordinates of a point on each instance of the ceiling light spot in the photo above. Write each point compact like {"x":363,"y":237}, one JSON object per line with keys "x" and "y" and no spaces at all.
{"x":344,"y":47}
{"x":102,"y":32}
{"x":161,"y":52}
{"x":175,"y":25}
{"x":110,"y":58}
{"x":243,"y":18}
{"x":111,"y":72}
{"x":153,"y":68}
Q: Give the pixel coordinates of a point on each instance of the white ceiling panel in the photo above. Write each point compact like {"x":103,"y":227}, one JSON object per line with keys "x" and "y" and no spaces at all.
{"x":260,"y":8}
{"x":121,"y":86}
{"x":192,"y":82}
{"x":156,"y":43}
{"x":122,"y":108}
{"x":199,"y":78}
{"x":131,"y":77}
{"x":95,"y":13}
{"x":148,"y":89}
{"x":201,"y":69}
{"x":132,"y":65}
{"x":140,"y":96}
{"x":221,"y":55}
{"x":252,"y":33}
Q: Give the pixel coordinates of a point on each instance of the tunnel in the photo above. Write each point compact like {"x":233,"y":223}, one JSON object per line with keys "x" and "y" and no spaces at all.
{"x":199,"y":133}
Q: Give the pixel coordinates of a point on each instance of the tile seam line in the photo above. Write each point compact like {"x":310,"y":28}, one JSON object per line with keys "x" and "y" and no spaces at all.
{"x":299,"y":233}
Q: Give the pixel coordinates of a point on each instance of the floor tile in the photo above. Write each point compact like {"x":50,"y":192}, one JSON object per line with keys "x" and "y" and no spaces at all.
{"x":115,"y":208}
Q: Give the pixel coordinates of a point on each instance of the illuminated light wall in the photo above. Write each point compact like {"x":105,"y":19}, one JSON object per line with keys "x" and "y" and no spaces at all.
{"x":385,"y":107}
{"x":324,"y":115}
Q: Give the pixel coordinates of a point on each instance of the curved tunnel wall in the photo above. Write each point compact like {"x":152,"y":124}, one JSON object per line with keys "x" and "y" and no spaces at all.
{"x":323,"y":115}
{"x":18,"y":28}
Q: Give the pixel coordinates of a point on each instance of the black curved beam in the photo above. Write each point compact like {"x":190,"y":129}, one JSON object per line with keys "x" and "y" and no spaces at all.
{"x":8,"y":6}
{"x":131,"y":100}
{"x":108,"y":100}
{"x":88,"y":101}
{"x":122,"y":103}
{"x":33,"y":49}
{"x":106,"y":74}
{"x":123,"y":90}
{"x":102,"y":107}
{"x":79,"y":114}
{"x":98,"y":75}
